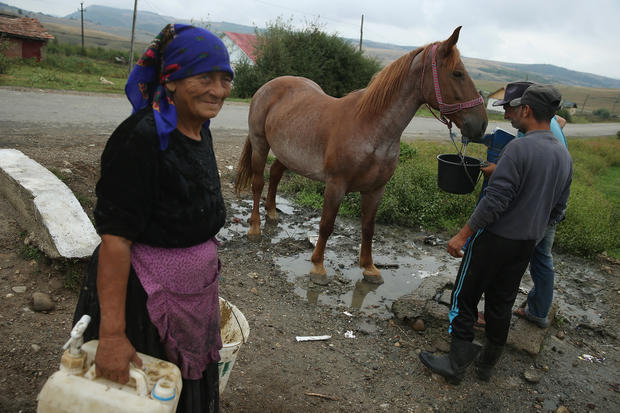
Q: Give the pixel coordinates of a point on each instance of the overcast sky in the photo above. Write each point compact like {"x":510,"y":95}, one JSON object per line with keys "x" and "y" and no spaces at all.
{"x":574,"y":34}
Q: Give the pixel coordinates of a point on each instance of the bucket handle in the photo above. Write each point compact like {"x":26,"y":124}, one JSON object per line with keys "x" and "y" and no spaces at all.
{"x":236,"y":319}
{"x":461,"y":153}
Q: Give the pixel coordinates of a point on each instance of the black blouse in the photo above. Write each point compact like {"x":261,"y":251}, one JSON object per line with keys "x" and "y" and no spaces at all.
{"x":170,"y":198}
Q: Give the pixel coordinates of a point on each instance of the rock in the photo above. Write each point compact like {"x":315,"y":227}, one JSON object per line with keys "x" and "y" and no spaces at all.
{"x":56,"y":284}
{"x":562,"y":409}
{"x":420,"y":303}
{"x":526,"y":336}
{"x":418,"y":325}
{"x":254,"y":291}
{"x":35,"y":348}
{"x":368,"y":328}
{"x":442,"y":346}
{"x":19,"y":289}
{"x":560,"y":334}
{"x":531,"y":376}
{"x":42,"y":302}
{"x":430,"y":240}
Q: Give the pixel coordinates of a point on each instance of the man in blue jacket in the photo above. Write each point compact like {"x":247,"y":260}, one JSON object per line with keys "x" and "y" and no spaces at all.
{"x":528,"y":189}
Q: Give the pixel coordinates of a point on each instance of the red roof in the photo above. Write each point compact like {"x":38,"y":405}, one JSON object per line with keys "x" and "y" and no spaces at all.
{"x":23,"y":27}
{"x":245,"y":43}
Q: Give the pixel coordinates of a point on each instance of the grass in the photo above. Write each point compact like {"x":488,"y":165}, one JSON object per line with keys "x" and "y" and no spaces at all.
{"x":47,"y":76}
{"x":413,"y":199}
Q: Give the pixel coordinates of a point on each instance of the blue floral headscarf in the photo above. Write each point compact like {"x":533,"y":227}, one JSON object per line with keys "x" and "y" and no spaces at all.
{"x":190,"y":51}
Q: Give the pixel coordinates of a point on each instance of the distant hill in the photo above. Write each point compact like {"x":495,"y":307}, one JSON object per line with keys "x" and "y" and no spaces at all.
{"x":108,"y":26}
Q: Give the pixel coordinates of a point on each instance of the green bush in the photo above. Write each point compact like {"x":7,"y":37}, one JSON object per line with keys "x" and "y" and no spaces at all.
{"x":565,"y":114}
{"x":602,"y":113}
{"x":328,"y":60}
{"x":5,"y":62}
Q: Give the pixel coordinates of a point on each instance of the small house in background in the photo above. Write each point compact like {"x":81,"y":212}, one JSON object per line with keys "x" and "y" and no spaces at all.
{"x":570,"y":106}
{"x":240,"y":46}
{"x":494,"y":97}
{"x":26,"y":37}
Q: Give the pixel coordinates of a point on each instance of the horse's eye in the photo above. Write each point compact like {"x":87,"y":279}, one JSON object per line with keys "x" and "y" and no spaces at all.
{"x":457,"y":74}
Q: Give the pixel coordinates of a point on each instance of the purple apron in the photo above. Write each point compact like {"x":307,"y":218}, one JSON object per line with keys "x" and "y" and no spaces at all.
{"x":183,"y":301}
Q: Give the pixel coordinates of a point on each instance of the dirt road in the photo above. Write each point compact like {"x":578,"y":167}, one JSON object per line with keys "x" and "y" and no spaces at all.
{"x":377,"y":370}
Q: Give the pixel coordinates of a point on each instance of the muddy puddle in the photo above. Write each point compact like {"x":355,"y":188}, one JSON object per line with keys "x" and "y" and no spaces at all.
{"x":402,"y":256}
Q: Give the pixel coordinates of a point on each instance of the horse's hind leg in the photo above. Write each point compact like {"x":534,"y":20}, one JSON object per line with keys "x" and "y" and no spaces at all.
{"x":275,"y":174}
{"x":370,"y":203}
{"x":334,"y":193}
{"x":259,"y":158}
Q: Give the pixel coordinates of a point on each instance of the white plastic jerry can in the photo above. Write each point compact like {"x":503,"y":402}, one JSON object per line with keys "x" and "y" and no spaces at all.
{"x":154,"y":388}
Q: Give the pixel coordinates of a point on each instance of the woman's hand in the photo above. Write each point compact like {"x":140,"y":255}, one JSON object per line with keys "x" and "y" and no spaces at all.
{"x":113,"y":356}
{"x":115,"y":351}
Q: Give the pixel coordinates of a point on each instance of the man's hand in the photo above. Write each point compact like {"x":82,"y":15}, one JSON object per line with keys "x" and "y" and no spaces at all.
{"x":455,"y":245}
{"x":488,"y":170}
{"x":113,"y":356}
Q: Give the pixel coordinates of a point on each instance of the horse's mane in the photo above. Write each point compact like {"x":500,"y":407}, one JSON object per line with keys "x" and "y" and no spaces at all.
{"x":384,"y":85}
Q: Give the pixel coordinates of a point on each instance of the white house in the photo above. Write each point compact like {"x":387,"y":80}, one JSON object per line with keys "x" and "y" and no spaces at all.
{"x":240,"y":46}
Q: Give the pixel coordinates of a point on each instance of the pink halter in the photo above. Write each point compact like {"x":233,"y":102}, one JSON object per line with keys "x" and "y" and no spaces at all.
{"x":445,"y":109}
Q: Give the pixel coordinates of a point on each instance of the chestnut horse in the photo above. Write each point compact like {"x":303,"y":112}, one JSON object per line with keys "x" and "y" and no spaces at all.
{"x":352,"y":143}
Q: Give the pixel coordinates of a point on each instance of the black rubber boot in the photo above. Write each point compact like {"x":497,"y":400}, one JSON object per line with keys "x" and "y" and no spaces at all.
{"x":452,"y":366}
{"x":487,"y":359}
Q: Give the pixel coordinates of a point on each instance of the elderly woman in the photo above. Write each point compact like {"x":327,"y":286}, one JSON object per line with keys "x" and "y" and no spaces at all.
{"x":152,"y":285}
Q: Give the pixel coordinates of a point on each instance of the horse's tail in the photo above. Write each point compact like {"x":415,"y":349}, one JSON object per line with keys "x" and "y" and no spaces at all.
{"x":244,"y":168}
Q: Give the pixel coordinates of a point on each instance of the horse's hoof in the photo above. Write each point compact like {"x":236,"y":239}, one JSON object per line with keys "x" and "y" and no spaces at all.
{"x":254,"y":237}
{"x":271,"y":216}
{"x":373,"y":279}
{"x":319,"y":279}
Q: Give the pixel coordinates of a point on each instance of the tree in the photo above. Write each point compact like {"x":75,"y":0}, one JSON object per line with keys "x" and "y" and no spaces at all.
{"x":337,"y":66}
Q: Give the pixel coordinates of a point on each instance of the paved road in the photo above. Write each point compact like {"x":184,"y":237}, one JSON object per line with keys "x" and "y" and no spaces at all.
{"x":31,"y":109}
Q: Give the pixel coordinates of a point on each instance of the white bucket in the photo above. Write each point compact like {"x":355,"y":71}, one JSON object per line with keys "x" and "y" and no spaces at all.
{"x":235,"y":331}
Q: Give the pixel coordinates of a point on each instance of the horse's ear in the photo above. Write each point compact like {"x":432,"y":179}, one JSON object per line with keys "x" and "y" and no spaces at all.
{"x":451,"y":42}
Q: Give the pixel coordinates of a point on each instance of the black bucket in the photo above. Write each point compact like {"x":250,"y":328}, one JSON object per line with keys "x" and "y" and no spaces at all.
{"x":457,"y":175}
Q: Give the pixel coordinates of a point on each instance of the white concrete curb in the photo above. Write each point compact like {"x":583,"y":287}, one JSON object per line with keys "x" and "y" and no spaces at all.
{"x":47,"y":207}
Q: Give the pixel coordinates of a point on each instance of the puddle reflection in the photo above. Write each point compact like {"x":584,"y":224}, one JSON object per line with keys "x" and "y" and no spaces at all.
{"x":347,"y":286}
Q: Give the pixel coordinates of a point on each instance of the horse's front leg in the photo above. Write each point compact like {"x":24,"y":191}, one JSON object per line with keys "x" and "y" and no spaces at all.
{"x":370,"y":203}
{"x":334,"y":192}
{"x":275,"y":174}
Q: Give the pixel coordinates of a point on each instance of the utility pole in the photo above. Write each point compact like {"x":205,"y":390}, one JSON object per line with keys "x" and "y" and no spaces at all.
{"x":133,"y":31}
{"x":82,"y":13}
{"x":361,"y":32}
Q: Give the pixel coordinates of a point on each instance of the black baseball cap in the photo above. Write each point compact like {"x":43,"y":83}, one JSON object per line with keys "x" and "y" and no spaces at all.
{"x":513,"y":91}
{"x":539,"y":96}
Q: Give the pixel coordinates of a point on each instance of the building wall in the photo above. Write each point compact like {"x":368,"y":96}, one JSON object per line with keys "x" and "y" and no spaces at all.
{"x":235,"y":52}
{"x":25,"y":48}
{"x":32,"y":49}
{"x":14,"y":49}
{"x":492,"y":108}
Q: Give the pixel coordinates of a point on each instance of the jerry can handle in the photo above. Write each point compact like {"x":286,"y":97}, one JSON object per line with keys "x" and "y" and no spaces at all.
{"x":138,"y":375}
